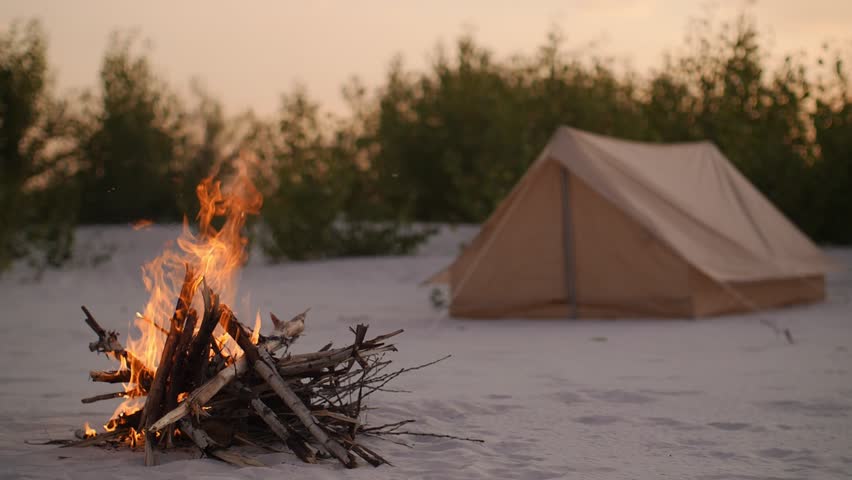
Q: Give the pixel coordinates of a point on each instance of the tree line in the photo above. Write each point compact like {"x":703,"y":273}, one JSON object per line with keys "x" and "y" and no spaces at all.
{"x":441,"y":144}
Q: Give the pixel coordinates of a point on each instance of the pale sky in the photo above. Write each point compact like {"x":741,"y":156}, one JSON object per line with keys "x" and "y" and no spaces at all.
{"x":248,"y":53}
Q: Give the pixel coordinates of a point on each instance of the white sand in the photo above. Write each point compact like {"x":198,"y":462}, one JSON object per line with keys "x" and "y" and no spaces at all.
{"x":719,"y":398}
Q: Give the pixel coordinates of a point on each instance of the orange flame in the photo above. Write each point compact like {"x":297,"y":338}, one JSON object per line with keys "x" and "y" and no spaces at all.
{"x":213,"y":254}
{"x":136,"y":437}
{"x":255,"y":333}
{"x":141,"y":224}
{"x":89,"y":432}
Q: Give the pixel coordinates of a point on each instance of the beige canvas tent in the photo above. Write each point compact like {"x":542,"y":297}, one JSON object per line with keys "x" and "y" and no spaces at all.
{"x":601,"y":227}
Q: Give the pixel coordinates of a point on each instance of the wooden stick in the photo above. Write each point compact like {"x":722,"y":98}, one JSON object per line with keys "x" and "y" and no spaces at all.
{"x":434,"y":435}
{"x":337,"y":416}
{"x":268,"y":416}
{"x":213,"y":449}
{"x":250,"y":442}
{"x":110,"y":376}
{"x":197,"y":355}
{"x":316,"y":365}
{"x":178,"y":374}
{"x":384,"y":337}
{"x":153,"y":402}
{"x":105,"y":396}
{"x":360,"y":333}
{"x":370,"y":456}
{"x":271,"y":377}
{"x":179,"y":359}
{"x":296,"y":445}
{"x":319,"y":364}
{"x":150,"y":458}
{"x":154,"y":324}
{"x":304,"y":357}
{"x":92,"y":323}
{"x":107,"y":339}
{"x":101,"y":437}
{"x":201,"y":395}
{"x":108,"y":343}
{"x":327,"y":353}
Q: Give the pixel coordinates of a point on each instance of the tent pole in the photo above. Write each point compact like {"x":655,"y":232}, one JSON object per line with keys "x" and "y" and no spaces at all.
{"x":568,"y":244}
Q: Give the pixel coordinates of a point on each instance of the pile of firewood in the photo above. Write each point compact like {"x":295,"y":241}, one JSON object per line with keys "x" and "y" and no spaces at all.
{"x":266,"y":397}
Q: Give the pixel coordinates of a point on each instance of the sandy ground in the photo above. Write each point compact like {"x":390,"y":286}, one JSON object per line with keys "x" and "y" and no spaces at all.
{"x":720,"y":398}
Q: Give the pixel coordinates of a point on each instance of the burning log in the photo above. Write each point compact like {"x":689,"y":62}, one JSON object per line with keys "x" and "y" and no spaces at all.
{"x":308,"y":402}
{"x":197,"y":357}
{"x":154,"y":400}
{"x":198,"y":390}
{"x":105,"y":396}
{"x":111,"y":376}
{"x":108,"y":343}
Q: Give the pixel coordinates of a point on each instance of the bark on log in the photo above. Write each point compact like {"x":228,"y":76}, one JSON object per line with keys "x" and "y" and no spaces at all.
{"x":154,"y":400}
{"x":197,"y":355}
{"x":179,"y":359}
{"x":201,"y":395}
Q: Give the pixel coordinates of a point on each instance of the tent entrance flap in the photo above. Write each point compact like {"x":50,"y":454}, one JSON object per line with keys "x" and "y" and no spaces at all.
{"x":568,"y":247}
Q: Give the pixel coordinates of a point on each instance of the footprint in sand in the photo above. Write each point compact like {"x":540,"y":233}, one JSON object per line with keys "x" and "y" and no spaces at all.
{"x":567,"y":397}
{"x":598,"y":420}
{"x":816,"y":408}
{"x":620,"y":396}
{"x":497,"y":396}
{"x":672,"y":423}
{"x":729,"y":426}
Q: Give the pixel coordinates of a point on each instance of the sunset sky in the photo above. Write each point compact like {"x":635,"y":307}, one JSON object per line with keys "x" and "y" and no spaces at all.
{"x":247,"y":53}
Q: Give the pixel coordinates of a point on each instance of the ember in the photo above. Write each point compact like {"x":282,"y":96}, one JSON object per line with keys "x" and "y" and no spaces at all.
{"x":198,"y":374}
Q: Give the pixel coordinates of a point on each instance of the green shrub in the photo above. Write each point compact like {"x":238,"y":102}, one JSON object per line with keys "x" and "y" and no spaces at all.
{"x":37,"y":198}
{"x":317,"y":198}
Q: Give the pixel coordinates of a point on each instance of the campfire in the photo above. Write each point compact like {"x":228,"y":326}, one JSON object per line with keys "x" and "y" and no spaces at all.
{"x":198,"y":375}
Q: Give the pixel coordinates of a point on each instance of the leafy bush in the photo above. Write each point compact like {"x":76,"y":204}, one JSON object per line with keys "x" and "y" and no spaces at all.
{"x":37,"y":200}
{"x":832,"y":122}
{"x":130,"y":141}
{"x":441,"y":145}
{"x":317,"y":202}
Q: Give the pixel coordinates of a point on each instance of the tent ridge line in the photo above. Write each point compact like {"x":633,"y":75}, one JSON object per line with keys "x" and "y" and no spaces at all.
{"x":642,"y":218}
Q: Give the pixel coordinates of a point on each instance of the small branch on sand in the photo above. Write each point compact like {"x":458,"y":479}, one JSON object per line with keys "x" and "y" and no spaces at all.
{"x":778,"y":330}
{"x":434,"y":435}
{"x":106,"y":396}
